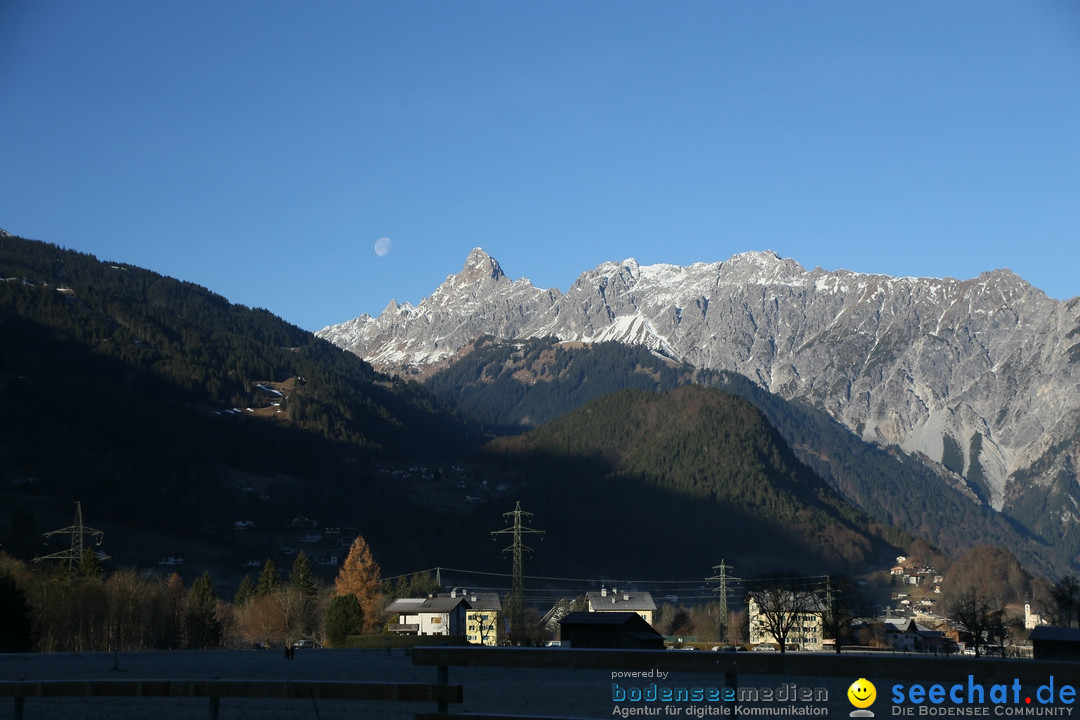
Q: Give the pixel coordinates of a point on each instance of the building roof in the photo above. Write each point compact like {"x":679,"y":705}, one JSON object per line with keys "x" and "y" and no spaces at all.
{"x":908,"y":625}
{"x":476,"y":600}
{"x":608,"y":618}
{"x":1055,"y":634}
{"x":426,"y":605}
{"x":616,"y":601}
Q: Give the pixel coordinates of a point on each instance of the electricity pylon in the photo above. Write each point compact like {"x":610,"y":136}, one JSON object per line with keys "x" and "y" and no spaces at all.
{"x":516,"y":605}
{"x":77,"y":531}
{"x":722,"y":578}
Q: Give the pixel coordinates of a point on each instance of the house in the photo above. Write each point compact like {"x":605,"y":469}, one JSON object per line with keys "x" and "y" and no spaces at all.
{"x":615,"y":601}
{"x":482,"y":616}
{"x":1055,"y":643}
{"x":806,"y":633}
{"x":613,"y":629}
{"x":429,"y":616}
{"x":912,"y":637}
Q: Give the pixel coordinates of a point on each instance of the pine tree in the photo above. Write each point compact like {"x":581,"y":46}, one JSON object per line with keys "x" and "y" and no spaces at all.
{"x":89,"y":566}
{"x":202,"y":628}
{"x":360,"y":576}
{"x":245,"y":591}
{"x":302,"y":578}
{"x":343,"y":618}
{"x":269,"y":579}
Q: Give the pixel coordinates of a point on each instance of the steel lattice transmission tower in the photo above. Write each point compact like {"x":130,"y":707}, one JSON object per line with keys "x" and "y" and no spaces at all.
{"x":516,"y":606}
{"x":722,"y":590}
{"x":78,"y":531}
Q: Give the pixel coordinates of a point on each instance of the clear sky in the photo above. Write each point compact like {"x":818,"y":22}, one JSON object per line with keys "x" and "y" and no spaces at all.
{"x":262,"y":148}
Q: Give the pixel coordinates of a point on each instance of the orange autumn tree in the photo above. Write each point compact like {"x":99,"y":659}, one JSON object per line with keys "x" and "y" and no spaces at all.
{"x":360,"y":576}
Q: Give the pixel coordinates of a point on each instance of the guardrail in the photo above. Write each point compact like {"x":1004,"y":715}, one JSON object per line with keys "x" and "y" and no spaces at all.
{"x":215,"y":690}
{"x":731,"y":665}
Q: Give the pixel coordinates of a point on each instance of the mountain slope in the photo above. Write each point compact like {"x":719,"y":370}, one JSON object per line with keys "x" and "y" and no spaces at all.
{"x":691,"y":476}
{"x":205,"y":350}
{"x":515,"y":386}
{"x":147,"y":398}
{"x":131,"y":392}
{"x":981,"y":375}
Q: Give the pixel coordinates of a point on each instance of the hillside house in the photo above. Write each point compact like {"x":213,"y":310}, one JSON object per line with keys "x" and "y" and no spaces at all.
{"x":614,"y":601}
{"x":429,"y":616}
{"x":482,"y":618}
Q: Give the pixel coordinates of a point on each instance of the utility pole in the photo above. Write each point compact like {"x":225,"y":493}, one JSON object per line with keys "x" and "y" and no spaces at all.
{"x":516,"y":606}
{"x":722,"y":578}
{"x":77,"y":531}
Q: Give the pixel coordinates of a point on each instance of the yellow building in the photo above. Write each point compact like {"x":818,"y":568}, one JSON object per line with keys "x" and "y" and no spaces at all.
{"x":482,"y":618}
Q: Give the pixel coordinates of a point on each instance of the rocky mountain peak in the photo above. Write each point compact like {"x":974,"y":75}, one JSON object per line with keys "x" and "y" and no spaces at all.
{"x":479,"y":267}
{"x":979,"y":375}
{"x":762,"y":267}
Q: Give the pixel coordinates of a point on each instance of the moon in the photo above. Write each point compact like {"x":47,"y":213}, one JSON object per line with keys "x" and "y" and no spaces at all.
{"x":382,"y":246}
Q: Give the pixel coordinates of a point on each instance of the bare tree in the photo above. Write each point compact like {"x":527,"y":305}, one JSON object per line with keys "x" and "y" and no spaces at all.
{"x":777,"y":606}
{"x":972,"y":611}
{"x":736,"y":631}
{"x":842,"y":604}
{"x":1065,"y":598}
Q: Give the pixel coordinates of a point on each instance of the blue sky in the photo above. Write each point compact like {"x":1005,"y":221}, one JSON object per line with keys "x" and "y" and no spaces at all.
{"x":262,"y":148}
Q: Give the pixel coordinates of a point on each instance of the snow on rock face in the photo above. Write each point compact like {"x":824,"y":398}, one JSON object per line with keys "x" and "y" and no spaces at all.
{"x":923,"y":363}
{"x":478,"y":300}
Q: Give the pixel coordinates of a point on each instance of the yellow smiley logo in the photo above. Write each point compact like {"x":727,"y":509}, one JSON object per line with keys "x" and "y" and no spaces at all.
{"x":862,"y":693}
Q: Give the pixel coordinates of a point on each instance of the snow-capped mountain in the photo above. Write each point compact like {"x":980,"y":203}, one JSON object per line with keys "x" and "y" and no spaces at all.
{"x":981,"y":375}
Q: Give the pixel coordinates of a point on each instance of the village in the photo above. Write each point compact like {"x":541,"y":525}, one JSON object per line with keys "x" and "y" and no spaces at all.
{"x":804,"y":615}
{"x":901,"y":608}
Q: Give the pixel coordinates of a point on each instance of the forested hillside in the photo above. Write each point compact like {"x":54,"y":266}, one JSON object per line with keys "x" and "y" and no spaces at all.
{"x":140,"y":394}
{"x":513,"y":387}
{"x":690,"y":476}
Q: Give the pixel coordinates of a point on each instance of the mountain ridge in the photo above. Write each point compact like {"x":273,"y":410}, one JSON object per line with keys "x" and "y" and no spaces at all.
{"x":981,"y":375}
{"x":514,"y":386}
{"x":179,"y":417}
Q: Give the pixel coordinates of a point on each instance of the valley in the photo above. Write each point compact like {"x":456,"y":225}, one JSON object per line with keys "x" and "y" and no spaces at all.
{"x":201,"y":429}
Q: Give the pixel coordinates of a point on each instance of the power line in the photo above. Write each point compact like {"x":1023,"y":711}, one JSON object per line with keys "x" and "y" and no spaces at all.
{"x":685,"y":589}
{"x":595,"y":581}
{"x":34,"y":522}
